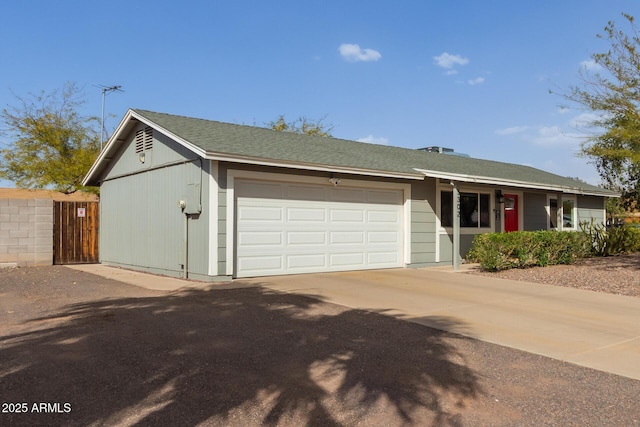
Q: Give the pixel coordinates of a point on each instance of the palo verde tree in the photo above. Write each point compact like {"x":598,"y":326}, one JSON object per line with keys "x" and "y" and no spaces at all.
{"x":50,"y":144}
{"x":611,"y":91}
{"x":302,"y":125}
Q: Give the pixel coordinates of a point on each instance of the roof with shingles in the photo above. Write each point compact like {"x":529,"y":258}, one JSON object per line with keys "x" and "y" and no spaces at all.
{"x":217,"y":138}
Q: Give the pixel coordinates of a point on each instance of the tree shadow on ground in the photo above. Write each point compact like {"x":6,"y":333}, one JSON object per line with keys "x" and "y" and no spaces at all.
{"x":233,"y":357}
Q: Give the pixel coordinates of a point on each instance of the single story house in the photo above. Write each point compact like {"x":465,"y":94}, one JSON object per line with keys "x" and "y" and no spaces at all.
{"x":207,"y":200}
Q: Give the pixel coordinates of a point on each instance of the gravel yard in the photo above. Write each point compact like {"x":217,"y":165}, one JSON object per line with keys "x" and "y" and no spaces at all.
{"x":615,"y":275}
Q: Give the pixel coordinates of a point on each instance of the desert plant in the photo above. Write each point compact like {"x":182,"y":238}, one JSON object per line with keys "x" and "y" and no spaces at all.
{"x":597,"y":235}
{"x":616,"y":240}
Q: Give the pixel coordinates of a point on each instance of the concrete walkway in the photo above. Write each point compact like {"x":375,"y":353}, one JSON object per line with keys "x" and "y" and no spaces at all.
{"x":599,"y":331}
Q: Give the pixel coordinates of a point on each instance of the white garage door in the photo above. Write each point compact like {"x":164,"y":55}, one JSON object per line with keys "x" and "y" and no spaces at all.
{"x":286,"y":228}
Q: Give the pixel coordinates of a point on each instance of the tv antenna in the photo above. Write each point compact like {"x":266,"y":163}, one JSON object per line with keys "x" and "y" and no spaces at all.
{"x":105,"y":91}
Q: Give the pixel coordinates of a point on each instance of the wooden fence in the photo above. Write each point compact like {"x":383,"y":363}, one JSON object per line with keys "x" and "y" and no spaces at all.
{"x":75,"y":232}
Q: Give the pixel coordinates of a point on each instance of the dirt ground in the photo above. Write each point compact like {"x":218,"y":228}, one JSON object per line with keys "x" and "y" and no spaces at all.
{"x":80,"y":350}
{"x":618,"y":275}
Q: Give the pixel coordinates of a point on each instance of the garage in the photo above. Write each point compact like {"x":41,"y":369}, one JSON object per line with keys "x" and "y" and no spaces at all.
{"x":291,"y":228}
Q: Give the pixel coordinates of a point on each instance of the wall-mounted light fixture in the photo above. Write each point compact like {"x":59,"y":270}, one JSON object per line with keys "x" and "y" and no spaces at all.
{"x":335,"y":181}
{"x":141,"y":157}
{"x":499,"y":197}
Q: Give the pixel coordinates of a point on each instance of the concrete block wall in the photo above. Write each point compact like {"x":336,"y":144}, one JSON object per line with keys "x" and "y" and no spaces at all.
{"x":26,"y":232}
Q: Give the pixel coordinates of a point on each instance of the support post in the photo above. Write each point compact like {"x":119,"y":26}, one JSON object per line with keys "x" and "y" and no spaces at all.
{"x":559,"y":213}
{"x":456,"y":227}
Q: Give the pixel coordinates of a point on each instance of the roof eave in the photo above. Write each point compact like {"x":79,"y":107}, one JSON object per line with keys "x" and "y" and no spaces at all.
{"x":117,"y":139}
{"x":515,"y":183}
{"x":310,"y":166}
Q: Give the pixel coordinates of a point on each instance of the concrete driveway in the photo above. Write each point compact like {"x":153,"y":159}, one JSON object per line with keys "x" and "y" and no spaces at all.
{"x":596,"y":330}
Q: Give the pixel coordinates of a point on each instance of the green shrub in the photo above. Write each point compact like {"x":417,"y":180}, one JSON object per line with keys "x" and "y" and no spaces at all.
{"x":520,"y":249}
{"x":623,"y":239}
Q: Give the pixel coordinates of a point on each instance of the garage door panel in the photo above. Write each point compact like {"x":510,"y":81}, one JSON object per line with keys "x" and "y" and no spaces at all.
{"x":350,"y":195}
{"x":390,"y":197}
{"x":383,"y":216}
{"x":260,"y":213}
{"x":382,"y":259}
{"x":304,"y":262}
{"x":346,"y":215}
{"x":346,"y":237}
{"x":306,"y":238}
{"x":306,"y":192}
{"x":315,"y":228}
{"x":354,"y":260}
{"x":387,"y":237}
{"x":255,"y":189}
{"x":260,"y":265}
{"x":260,"y":238}
{"x":317,"y":214}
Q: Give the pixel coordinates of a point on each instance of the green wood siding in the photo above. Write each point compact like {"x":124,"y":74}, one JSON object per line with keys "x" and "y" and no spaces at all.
{"x":591,"y":207}
{"x":142,"y":226}
{"x":535,"y":211}
{"x":423,"y":222}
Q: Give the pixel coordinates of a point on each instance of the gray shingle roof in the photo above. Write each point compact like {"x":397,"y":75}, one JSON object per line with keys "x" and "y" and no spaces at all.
{"x":215,"y":137}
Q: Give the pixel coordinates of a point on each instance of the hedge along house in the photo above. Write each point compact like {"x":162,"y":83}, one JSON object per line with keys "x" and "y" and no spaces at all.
{"x":211,"y":201}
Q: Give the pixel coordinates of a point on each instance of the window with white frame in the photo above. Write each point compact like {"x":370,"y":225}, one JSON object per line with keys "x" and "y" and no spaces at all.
{"x":474,"y":209}
{"x":553,"y":213}
{"x":569,"y":212}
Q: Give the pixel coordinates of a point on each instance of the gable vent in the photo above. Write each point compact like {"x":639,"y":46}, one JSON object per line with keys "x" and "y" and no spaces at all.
{"x":144,"y":139}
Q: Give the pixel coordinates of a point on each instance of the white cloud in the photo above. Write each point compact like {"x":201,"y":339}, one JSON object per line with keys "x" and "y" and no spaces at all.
{"x":572,"y":166}
{"x":584,"y":120}
{"x":476,"y":81}
{"x":512,"y":130}
{"x":554,"y":135}
{"x":353,"y":53}
{"x":448,"y":61}
{"x":590,"y":65}
{"x":374,"y":140}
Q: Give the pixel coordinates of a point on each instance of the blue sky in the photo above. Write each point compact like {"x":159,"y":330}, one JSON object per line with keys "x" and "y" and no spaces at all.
{"x":471,"y":75}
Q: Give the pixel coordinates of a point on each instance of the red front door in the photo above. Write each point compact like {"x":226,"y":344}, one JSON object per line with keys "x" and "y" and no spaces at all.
{"x":510,"y":212}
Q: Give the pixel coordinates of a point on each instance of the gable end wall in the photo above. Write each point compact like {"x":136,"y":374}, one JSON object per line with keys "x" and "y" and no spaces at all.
{"x":142,"y":226}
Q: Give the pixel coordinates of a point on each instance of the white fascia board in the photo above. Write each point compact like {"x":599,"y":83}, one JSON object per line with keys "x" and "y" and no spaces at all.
{"x":308,"y":166}
{"x":511,"y":183}
{"x":108,"y":147}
